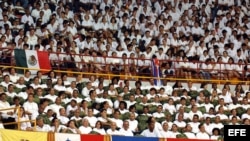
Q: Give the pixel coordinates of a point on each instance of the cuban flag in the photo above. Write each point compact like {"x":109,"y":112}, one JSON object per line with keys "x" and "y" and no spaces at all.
{"x":156,"y":71}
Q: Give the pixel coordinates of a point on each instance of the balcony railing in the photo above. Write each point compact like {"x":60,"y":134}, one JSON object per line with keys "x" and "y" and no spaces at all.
{"x":137,"y":68}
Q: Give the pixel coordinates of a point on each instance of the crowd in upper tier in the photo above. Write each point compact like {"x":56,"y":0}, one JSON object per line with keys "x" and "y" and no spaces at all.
{"x":191,"y":38}
{"x":82,"y":35}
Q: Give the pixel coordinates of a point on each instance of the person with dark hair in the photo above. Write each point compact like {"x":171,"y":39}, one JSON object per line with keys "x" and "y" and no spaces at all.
{"x":202,"y":134}
{"x":152,"y":131}
{"x":216,"y":134}
{"x":123,"y":107}
{"x":99,"y":128}
{"x":71,"y":127}
{"x":56,"y":127}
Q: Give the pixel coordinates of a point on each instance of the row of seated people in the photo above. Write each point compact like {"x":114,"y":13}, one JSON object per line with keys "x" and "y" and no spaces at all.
{"x":128,"y":124}
{"x":140,"y":101}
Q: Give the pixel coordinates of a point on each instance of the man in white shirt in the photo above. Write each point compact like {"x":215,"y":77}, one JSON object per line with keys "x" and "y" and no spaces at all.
{"x":112,"y":130}
{"x":27,"y":19}
{"x":91,"y":118}
{"x":119,"y":122}
{"x":194,"y":111}
{"x":31,"y":107}
{"x":41,"y":127}
{"x":152,"y":131}
{"x":55,"y":107}
{"x":207,"y":104}
{"x":86,"y":89}
{"x":51,"y":96}
{"x":195,"y":124}
{"x":217,"y":123}
{"x":125,"y":130}
{"x":202,"y":134}
{"x":133,"y":123}
{"x":85,"y":128}
{"x":63,"y":116}
{"x":32,"y":38}
{"x":188,"y":132}
{"x":180,"y":122}
{"x":4,"y":105}
{"x":11,"y":93}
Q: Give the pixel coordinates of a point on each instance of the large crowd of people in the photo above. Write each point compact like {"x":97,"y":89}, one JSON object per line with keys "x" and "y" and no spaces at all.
{"x":190,"y":38}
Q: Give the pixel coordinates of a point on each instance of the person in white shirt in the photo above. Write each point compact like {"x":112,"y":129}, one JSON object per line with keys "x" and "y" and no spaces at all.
{"x":165,"y":133}
{"x":202,"y":134}
{"x":188,"y":132}
{"x":85,"y":90}
{"x":51,"y":96}
{"x":85,"y":128}
{"x":195,"y":124}
{"x":27,"y":18}
{"x":31,"y":107}
{"x":13,"y":75}
{"x":152,"y":131}
{"x":23,"y":117}
{"x":41,"y":127}
{"x":63,"y":116}
{"x":56,"y":126}
{"x":216,"y":134}
{"x":71,"y":127}
{"x":221,"y":114}
{"x":55,"y":107}
{"x":6,"y":81}
{"x":99,"y":129}
{"x":159,"y":113}
{"x":125,"y":130}
{"x":194,"y":111}
{"x":32,"y":38}
{"x":10,"y":92}
{"x":91,"y":118}
{"x":217,"y":123}
{"x":246,"y":115}
{"x":116,"y":116}
{"x":169,"y":106}
{"x":207,"y":104}
{"x":133,"y":123}
{"x":113,"y":130}
{"x":20,"y":83}
{"x":70,"y":109}
{"x":59,"y":86}
{"x":6,"y":114}
{"x":180,"y":122}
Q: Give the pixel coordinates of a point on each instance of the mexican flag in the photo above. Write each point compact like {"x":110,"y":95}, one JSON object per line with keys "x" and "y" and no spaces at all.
{"x":34,"y":60}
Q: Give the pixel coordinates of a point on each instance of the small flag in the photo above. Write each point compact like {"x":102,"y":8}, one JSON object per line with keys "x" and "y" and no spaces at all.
{"x":67,"y":137}
{"x":156,"y":71}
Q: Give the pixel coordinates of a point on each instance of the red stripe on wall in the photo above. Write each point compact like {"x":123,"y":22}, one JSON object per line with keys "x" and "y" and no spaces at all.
{"x":88,"y":137}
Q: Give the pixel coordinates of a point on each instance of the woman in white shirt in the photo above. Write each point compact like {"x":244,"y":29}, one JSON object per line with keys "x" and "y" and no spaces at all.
{"x":99,"y":129}
{"x":24,"y":117}
{"x":112,"y":26}
{"x":239,"y":68}
{"x":230,"y":68}
{"x":56,"y":127}
{"x":169,"y":106}
{"x":59,"y":85}
{"x":71,"y":128}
